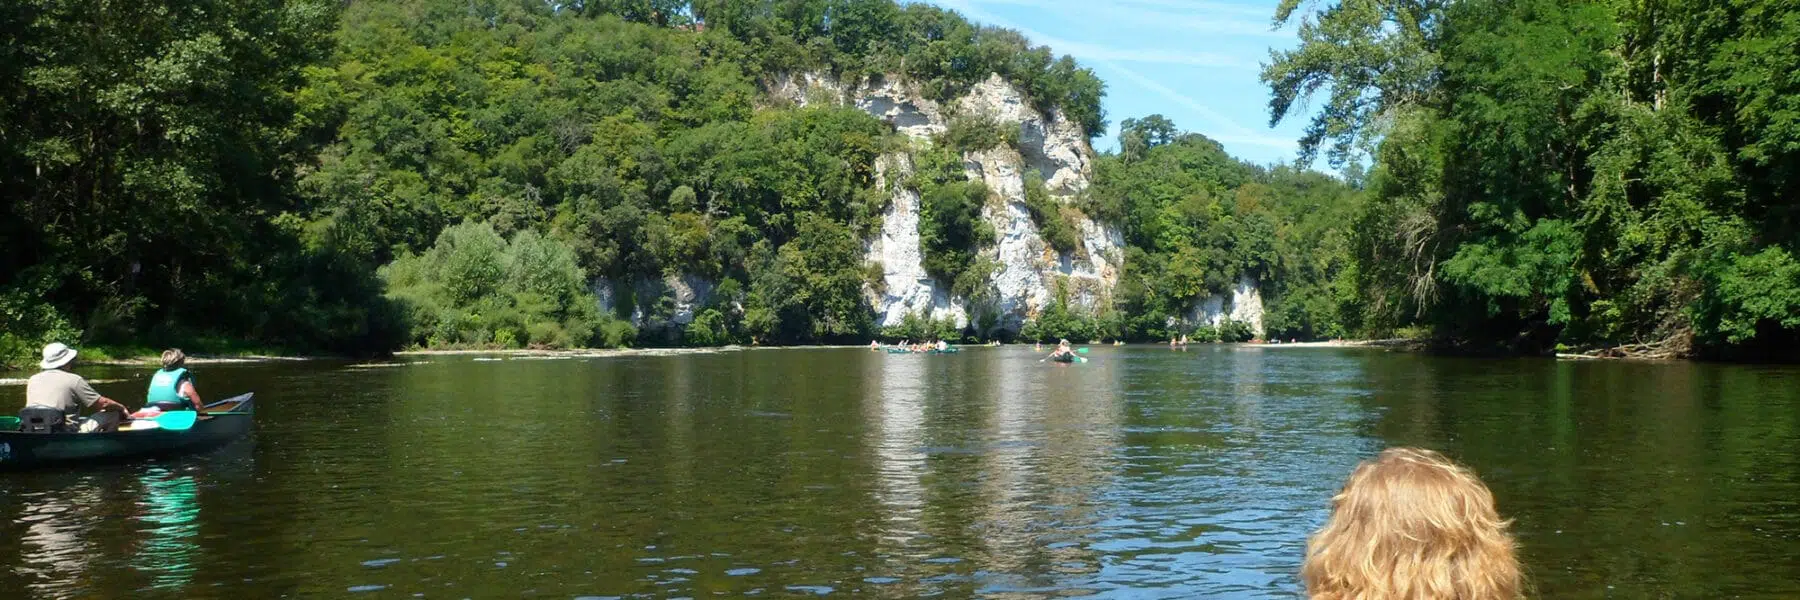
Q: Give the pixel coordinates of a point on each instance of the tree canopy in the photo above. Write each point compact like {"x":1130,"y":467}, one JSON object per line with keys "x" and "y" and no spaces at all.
{"x":357,"y":177}
{"x":1558,"y":173}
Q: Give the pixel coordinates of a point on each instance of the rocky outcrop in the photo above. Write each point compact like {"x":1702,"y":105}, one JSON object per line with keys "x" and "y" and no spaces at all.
{"x":1244,"y":306}
{"x":1028,"y":270}
{"x":671,"y":301}
{"x":906,"y":289}
{"x":889,"y":99}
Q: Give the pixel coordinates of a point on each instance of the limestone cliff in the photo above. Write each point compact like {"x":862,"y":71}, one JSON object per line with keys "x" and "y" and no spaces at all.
{"x":1244,"y":306}
{"x":1028,"y":269}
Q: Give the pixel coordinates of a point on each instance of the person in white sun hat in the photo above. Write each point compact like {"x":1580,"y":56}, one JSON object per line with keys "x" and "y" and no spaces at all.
{"x":56,"y":388}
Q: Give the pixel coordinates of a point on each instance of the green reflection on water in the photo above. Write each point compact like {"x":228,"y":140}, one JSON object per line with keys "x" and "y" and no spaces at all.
{"x":173,"y":515}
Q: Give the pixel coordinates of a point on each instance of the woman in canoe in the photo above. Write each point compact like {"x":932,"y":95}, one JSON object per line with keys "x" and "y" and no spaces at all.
{"x":1062,"y":353}
{"x":172,"y":387}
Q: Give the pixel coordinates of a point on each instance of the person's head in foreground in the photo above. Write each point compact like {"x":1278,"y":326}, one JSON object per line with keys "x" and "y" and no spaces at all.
{"x":1412,"y":525}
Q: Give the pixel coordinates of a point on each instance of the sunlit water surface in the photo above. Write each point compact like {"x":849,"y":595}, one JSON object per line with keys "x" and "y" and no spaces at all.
{"x":1145,"y":473}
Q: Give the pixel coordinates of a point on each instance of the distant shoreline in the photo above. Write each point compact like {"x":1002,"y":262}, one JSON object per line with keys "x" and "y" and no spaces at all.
{"x":152,"y":360}
{"x":1390,"y":343}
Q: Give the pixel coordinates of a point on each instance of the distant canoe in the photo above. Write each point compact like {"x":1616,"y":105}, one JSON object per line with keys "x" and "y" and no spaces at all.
{"x":225,"y":421}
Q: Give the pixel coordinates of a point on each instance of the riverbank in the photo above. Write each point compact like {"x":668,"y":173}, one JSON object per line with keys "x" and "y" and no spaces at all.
{"x":116,"y":356}
{"x":1390,"y":344}
{"x":571,"y":353}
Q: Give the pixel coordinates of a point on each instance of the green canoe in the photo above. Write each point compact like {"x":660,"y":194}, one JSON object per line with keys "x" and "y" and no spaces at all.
{"x":225,"y":421}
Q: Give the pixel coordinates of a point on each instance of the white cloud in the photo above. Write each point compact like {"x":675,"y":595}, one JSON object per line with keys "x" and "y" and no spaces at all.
{"x":1088,"y":51}
{"x":1204,"y":6}
{"x":1223,"y":128}
{"x":1188,"y":17}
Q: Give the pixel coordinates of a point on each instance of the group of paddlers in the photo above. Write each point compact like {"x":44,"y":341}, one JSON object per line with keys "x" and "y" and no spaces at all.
{"x":909,"y":346}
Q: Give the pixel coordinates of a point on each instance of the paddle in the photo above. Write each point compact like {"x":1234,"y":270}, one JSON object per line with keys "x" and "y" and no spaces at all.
{"x":178,"y":420}
{"x":9,"y":423}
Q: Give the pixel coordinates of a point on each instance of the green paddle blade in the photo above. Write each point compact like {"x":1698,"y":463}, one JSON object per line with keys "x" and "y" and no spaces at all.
{"x":1082,"y":351}
{"x":179,"y":420}
{"x":9,"y":423}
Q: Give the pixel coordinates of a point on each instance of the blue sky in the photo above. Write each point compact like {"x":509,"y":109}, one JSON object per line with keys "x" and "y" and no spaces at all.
{"x":1194,"y":61}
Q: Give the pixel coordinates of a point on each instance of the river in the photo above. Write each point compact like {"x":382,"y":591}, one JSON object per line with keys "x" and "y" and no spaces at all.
{"x":1145,"y":473}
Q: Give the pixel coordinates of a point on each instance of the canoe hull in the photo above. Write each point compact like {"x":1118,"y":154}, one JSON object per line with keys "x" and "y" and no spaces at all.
{"x":19,"y":451}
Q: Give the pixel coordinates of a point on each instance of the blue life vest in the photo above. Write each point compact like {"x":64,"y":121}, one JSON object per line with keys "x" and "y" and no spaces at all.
{"x":165,"y":388}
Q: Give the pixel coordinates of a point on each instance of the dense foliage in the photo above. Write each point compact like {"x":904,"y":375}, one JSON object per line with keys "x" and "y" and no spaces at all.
{"x":1552,"y":172}
{"x":473,"y":288}
{"x":1197,"y":221}
{"x":239,"y":172}
{"x":355,"y":177}
{"x":146,"y":158}
{"x":939,"y":49}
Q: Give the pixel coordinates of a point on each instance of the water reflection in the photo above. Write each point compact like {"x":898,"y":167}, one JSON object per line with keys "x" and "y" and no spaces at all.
{"x":56,"y":548}
{"x":1145,"y":473}
{"x":1082,"y":422}
{"x":896,"y":417}
{"x":172,"y":508}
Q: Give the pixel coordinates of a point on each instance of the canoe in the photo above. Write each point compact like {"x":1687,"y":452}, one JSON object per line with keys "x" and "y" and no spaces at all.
{"x":1066,"y":358}
{"x":952,"y":350}
{"x":225,"y":421}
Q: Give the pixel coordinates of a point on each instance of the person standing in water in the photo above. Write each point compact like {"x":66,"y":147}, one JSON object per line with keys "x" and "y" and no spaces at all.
{"x":172,"y":387}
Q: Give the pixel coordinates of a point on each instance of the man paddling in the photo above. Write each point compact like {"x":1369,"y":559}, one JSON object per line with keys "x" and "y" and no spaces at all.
{"x":1062,"y":350}
{"x":55,"y":389}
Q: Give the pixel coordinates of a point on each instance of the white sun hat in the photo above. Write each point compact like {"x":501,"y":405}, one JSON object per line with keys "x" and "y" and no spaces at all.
{"x":56,"y":355}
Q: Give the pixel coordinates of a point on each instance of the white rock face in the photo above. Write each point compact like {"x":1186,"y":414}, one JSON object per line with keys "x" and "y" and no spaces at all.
{"x":1244,"y":306}
{"x":1055,"y":147}
{"x":908,"y":290}
{"x":686,"y":292}
{"x":1028,"y":269}
{"x":896,"y":103}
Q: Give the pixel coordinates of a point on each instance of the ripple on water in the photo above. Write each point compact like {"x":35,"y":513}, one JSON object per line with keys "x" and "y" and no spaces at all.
{"x":1153,"y":475}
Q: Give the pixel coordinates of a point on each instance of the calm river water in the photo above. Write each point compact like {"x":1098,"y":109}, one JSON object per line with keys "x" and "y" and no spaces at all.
{"x":1146,"y":473}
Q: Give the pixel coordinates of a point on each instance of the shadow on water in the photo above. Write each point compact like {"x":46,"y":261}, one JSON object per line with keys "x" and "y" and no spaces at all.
{"x":1146,"y":473}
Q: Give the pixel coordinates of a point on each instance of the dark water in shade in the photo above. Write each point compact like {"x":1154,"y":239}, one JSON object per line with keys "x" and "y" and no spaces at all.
{"x":1143,"y":474}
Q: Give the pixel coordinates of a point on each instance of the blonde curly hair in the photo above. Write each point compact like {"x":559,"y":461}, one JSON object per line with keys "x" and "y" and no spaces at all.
{"x":1413,"y":525}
